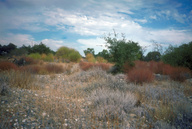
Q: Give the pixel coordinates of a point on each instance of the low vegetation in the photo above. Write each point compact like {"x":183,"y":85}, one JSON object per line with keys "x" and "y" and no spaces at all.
{"x":91,"y":99}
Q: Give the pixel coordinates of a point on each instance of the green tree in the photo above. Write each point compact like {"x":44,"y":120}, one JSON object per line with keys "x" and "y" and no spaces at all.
{"x":89,"y":50}
{"x":179,"y":56}
{"x":40,"y":48}
{"x":122,"y":51}
{"x":105,"y":54}
{"x":155,"y":56}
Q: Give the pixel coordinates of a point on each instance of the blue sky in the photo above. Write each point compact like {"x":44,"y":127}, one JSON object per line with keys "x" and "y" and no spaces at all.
{"x":80,"y":24}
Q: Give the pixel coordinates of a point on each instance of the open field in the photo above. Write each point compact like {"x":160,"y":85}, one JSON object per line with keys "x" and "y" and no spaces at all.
{"x":74,"y":98}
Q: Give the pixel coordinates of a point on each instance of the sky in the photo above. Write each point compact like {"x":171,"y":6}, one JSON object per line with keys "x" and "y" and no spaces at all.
{"x":82,"y":24}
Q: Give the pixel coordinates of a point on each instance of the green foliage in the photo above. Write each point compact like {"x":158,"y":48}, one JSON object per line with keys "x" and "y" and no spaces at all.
{"x":89,"y":50}
{"x":105,"y":54}
{"x":19,"y":52}
{"x":40,"y":48}
{"x":66,"y":53}
{"x":74,"y":56}
{"x":90,"y":58}
{"x":49,"y":57}
{"x":35,"y":56}
{"x":155,"y":56}
{"x":179,"y":56}
{"x":122,"y":51}
{"x":6,"y":49}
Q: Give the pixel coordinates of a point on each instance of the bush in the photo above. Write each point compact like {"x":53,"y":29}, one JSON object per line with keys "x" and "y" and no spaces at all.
{"x":65,"y":53}
{"x":75,"y":56}
{"x":140,"y":76}
{"x":90,"y":58}
{"x":101,"y":59}
{"x":87,"y":65}
{"x":179,"y":73}
{"x":29,"y":60}
{"x":49,"y":57}
{"x":112,"y":105}
{"x":36,"y":56}
{"x":6,"y":65}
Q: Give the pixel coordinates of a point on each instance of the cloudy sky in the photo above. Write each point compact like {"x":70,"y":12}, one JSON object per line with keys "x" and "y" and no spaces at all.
{"x":80,"y":24}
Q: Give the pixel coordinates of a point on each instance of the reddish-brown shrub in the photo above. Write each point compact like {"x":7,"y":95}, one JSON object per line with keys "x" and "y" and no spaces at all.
{"x":30,"y":60}
{"x":127,"y":67}
{"x":141,"y":64}
{"x":179,"y":73}
{"x":156,"y":67}
{"x":167,"y":69}
{"x":6,"y":65}
{"x":140,"y":75}
{"x":85,"y":65}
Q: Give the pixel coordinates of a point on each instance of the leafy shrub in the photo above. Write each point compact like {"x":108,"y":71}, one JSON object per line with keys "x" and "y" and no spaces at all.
{"x":66,"y":53}
{"x":112,"y":105}
{"x":90,"y":58}
{"x":49,"y":57}
{"x":6,"y":65}
{"x":140,"y":75}
{"x":36,"y":56}
{"x":75,"y":56}
{"x":101,"y":59}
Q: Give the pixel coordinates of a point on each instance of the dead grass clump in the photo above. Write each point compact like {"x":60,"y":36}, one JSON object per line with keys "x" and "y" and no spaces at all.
{"x":139,"y":76}
{"x":43,"y":69}
{"x":20,"y":79}
{"x":54,"y":68}
{"x":6,"y":65}
{"x":34,"y":69}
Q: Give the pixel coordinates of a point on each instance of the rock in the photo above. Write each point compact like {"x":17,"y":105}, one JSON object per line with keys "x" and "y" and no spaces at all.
{"x":4,"y":89}
{"x":160,"y":77}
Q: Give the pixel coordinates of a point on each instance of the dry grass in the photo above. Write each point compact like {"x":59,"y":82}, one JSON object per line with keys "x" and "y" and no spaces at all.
{"x":87,"y":65}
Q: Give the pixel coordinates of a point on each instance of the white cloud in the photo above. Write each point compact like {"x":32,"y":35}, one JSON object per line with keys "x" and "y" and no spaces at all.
{"x":97,"y":43}
{"x":17,"y":39}
{"x":53,"y":44}
{"x":153,"y":17}
{"x":141,"y":20}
